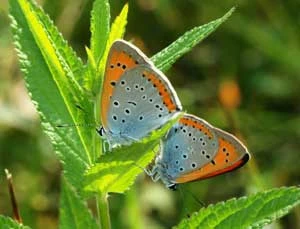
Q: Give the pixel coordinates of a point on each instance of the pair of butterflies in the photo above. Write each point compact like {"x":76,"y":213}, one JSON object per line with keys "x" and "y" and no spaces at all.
{"x":137,"y":98}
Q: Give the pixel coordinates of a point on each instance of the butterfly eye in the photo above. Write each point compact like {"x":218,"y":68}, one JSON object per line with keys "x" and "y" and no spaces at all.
{"x":101,"y":131}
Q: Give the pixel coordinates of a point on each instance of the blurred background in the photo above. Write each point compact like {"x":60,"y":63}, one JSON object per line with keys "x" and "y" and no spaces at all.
{"x":244,"y":78}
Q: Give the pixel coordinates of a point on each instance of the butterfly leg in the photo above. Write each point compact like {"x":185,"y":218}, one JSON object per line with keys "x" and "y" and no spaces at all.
{"x":106,"y":147}
{"x":153,"y":173}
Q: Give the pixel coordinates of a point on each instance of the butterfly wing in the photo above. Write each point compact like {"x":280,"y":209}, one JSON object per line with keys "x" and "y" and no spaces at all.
{"x":122,"y":57}
{"x":142,"y":100}
{"x":231,"y":154}
{"x":189,"y":145}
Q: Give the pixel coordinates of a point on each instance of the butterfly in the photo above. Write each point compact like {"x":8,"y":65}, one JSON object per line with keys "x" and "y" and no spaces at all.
{"x":136,"y":99}
{"x":195,"y":150}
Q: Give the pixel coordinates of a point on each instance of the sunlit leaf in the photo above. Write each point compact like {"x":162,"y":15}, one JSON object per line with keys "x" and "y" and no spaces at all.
{"x":117,"y":31}
{"x":117,"y":170}
{"x":73,"y":211}
{"x":9,"y":223}
{"x":52,"y":86}
{"x":255,"y":211}
{"x":99,"y":34}
{"x":99,"y":28}
{"x":165,"y":58}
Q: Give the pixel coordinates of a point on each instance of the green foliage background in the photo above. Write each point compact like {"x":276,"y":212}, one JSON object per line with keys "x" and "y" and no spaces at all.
{"x":257,"y":49}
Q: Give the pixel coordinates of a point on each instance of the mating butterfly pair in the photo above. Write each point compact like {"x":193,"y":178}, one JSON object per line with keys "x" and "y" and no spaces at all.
{"x":137,"y":98}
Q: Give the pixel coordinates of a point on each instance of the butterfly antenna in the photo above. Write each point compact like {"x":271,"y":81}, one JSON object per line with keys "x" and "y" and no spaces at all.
{"x":74,"y":125}
{"x":16,"y":212}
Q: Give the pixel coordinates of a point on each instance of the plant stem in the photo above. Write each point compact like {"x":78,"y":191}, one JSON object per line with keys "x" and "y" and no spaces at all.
{"x":103,"y":211}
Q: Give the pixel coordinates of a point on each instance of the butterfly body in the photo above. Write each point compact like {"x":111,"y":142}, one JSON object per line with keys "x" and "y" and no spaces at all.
{"x":137,"y":98}
{"x":194,"y":150}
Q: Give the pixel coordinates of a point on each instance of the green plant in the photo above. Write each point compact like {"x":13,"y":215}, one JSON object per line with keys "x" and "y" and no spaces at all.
{"x":58,"y":81}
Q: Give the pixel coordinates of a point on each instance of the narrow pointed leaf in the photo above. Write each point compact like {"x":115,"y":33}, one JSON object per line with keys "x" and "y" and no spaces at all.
{"x":73,"y":211}
{"x":49,"y":79}
{"x":255,"y":211}
{"x":9,"y":223}
{"x":117,"y":31}
{"x":61,"y":45}
{"x":165,"y":58}
{"x":99,"y":28}
{"x":99,"y":35}
{"x":118,"y":169}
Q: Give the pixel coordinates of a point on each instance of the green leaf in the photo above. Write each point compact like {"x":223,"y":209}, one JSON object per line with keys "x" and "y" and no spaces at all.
{"x":254,"y":211}
{"x":9,"y":223}
{"x":117,"y":31}
{"x":51,"y":84}
{"x":61,"y":45}
{"x":74,"y":212}
{"x":99,"y":28}
{"x":99,"y":35}
{"x":165,"y":58}
{"x":118,"y":169}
